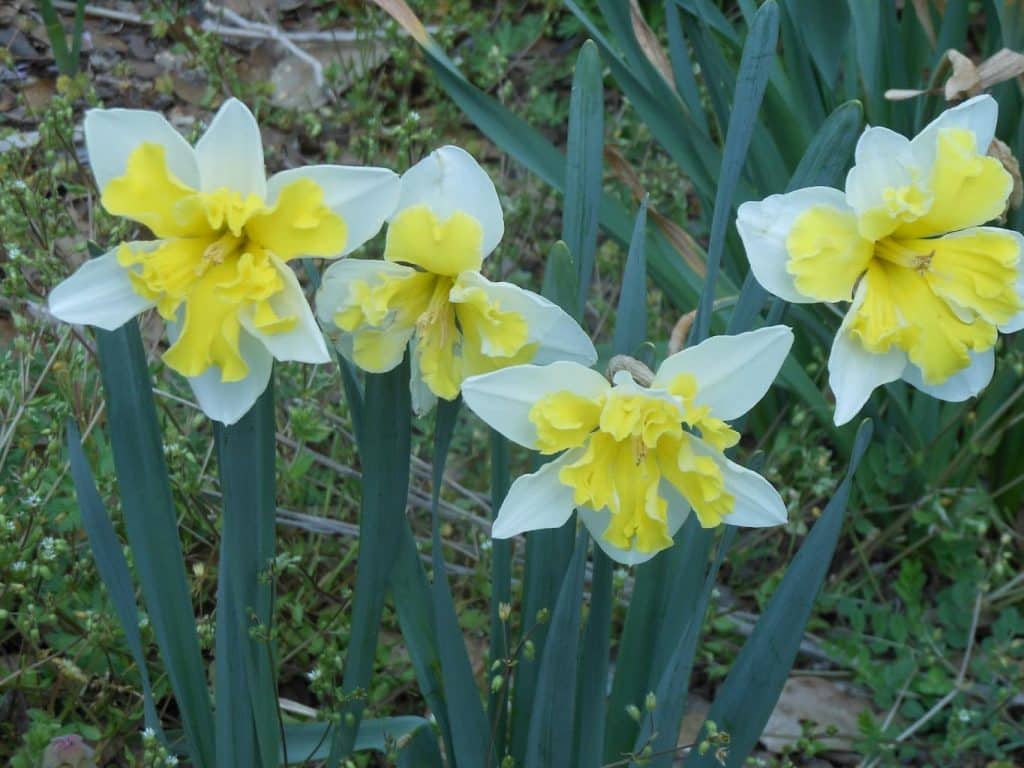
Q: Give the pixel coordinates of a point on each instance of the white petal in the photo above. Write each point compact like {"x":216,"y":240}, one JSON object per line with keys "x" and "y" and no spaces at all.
{"x":559,"y":336}
{"x":854,"y":373}
{"x":334,"y":296}
{"x":764,"y":226}
{"x":978,"y":115}
{"x":304,"y":343}
{"x":733,"y":372}
{"x":503,"y":399}
{"x":230,"y":153}
{"x":758,"y":504}
{"x":423,"y":400}
{"x":112,"y":134}
{"x":597,"y":523}
{"x":450,"y":180}
{"x":883,"y":159}
{"x":536,"y":501}
{"x":100,"y":293}
{"x":961,"y":385}
{"x":228,"y":402}
{"x":363,"y":197}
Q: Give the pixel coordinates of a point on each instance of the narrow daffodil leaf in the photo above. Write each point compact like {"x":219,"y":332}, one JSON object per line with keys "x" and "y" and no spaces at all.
{"x":631,"y":317}
{"x":822,"y":26}
{"x":560,"y":279}
{"x":660,"y":730}
{"x":592,"y":680}
{"x":152,"y":527}
{"x":471,"y":734}
{"x":311,"y":741}
{"x":385,"y":463}
{"x":749,"y":693}
{"x":682,"y":67}
{"x":246,"y":691}
{"x":410,"y":589}
{"x":501,"y":590}
{"x":111,"y":564}
{"x":583,"y":169}
{"x":755,"y":68}
{"x":551,"y":723}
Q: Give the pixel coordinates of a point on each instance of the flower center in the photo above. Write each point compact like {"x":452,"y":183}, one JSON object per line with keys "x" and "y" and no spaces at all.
{"x":632,"y":440}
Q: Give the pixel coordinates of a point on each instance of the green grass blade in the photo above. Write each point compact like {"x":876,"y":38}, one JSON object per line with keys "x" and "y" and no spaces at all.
{"x":58,"y":42}
{"x":385,"y":463}
{"x":77,"y":30}
{"x":631,"y":317}
{"x":501,"y":588}
{"x":750,"y":691}
{"x":551,"y":722}
{"x":152,"y":528}
{"x":111,"y":564}
{"x":868,"y":41}
{"x":583,"y":169}
{"x":755,"y":67}
{"x":471,"y":737}
{"x":246,"y":692}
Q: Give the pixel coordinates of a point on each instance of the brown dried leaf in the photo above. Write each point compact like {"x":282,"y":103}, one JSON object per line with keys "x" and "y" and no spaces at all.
{"x":925,"y":17}
{"x":649,"y":43}
{"x":1002,"y":65}
{"x":679,"y":237}
{"x":1001,"y":152}
{"x":409,"y":21}
{"x":965,"y":80}
{"x":677,"y":339}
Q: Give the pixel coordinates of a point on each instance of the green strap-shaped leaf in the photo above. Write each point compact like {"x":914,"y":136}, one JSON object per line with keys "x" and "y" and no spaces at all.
{"x":385,"y":465}
{"x":501,"y":590}
{"x":246,"y":690}
{"x":471,"y":733}
{"x":749,"y":693}
{"x":414,"y":607}
{"x":560,"y":278}
{"x":310,"y":741}
{"x":631,"y":317}
{"x":111,"y":564}
{"x":551,"y":722}
{"x":822,"y":26}
{"x":152,"y":528}
{"x":755,"y":67}
{"x":682,"y":67}
{"x":660,"y":729}
{"x":583,"y":170}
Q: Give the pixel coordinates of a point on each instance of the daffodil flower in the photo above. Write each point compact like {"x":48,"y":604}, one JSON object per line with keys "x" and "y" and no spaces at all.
{"x":428,"y":291}
{"x":929,"y":287}
{"x":217,"y":270}
{"x":636,"y":456}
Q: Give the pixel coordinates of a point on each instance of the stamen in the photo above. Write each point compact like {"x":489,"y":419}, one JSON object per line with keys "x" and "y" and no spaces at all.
{"x":226,"y":245}
{"x":897,"y":252}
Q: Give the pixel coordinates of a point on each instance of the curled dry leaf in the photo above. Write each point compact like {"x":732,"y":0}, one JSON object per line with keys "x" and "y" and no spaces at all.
{"x":967,"y":78}
{"x":649,"y":43}
{"x":1001,"y":152}
{"x":677,"y":339}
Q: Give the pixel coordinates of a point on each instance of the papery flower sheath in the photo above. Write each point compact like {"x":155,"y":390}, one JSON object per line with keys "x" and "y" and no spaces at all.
{"x":635,"y":460}
{"x":428,"y":292}
{"x":217,"y":270}
{"x":930,"y":288}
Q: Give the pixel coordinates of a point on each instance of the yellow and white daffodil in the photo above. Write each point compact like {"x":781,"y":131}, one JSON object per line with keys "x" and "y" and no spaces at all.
{"x":428,"y":290}
{"x":930,"y":286}
{"x":217,"y":270}
{"x":638,"y":455}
